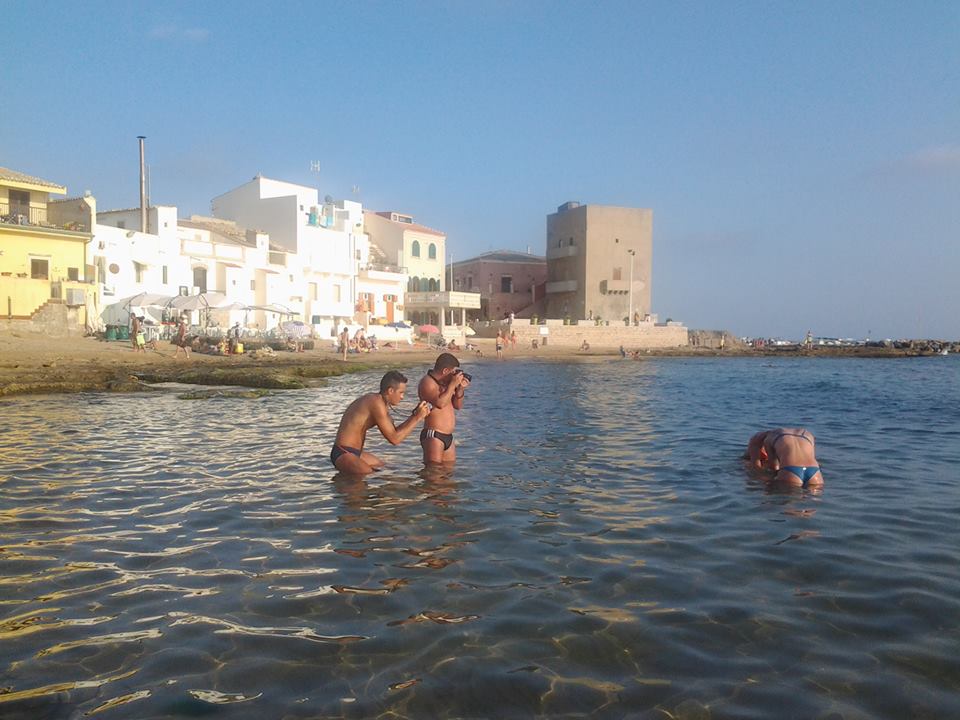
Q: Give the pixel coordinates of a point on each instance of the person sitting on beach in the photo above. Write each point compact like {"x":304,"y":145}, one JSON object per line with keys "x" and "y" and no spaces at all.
{"x":584,"y":345}
{"x":363,"y":413}
{"x":787,"y":452}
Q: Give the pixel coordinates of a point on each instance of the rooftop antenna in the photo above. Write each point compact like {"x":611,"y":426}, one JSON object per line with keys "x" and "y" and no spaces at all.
{"x":315,"y":168}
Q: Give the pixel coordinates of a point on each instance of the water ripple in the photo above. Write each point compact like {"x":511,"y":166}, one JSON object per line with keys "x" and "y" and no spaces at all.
{"x":599,"y":550}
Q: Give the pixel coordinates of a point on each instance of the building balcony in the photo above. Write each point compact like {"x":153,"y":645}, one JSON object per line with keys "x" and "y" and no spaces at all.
{"x":377,"y":271}
{"x":562,"y":252}
{"x":610,"y":287}
{"x":561,"y":286}
{"x":424,"y":300}
{"x":26,"y":215}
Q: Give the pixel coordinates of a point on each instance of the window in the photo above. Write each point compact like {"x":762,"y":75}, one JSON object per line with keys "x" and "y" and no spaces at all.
{"x":415,"y":248}
{"x":73,"y":274}
{"x":39,"y":269}
{"x":122,"y":224}
{"x":434,"y":284}
{"x":200,"y":278}
{"x":413,"y":284}
{"x":165,"y":277}
{"x":618,"y":273}
{"x":312,"y":290}
{"x":469,"y":282}
{"x":336,"y":293}
{"x":19,"y":202}
{"x":456,"y":283}
{"x":506,"y":284}
{"x":137,"y":272}
{"x":432,"y":252}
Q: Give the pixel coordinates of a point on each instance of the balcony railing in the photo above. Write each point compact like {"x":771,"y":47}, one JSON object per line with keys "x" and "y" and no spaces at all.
{"x":22,"y":214}
{"x":381,"y":267}
{"x":17,"y":214}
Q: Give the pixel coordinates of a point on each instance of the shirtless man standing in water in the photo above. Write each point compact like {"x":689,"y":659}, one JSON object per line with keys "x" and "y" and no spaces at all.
{"x":789,"y":453}
{"x":443,"y":388}
{"x":366,"y":411}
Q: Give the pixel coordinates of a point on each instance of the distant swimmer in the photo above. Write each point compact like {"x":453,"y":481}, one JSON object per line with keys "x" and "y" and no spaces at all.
{"x":789,"y":453}
{"x":363,"y":413}
{"x":443,"y":387}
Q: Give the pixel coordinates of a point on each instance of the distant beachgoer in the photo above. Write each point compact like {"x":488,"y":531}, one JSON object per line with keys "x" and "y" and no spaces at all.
{"x":787,"y":452}
{"x":636,"y":318}
{"x":234,"y":338}
{"x":181,"y":340}
{"x":499,"y":345}
{"x":513,"y":339}
{"x":584,"y":345}
{"x":367,"y":411}
{"x":345,"y":341}
{"x":137,"y":338}
{"x":443,"y":387}
{"x":623,"y":353}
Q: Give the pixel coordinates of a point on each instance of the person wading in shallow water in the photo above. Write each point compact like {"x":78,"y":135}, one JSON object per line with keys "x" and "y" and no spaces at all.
{"x":363,"y":413}
{"x":789,"y":453}
{"x":443,"y":387}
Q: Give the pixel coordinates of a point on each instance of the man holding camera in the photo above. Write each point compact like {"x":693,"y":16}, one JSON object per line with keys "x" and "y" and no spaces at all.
{"x":443,"y":387}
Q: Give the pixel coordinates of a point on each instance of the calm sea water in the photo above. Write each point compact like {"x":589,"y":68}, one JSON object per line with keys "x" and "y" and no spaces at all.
{"x":598,"y":550}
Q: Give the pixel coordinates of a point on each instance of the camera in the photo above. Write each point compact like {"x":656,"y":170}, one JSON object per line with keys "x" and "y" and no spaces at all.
{"x":468,"y":376}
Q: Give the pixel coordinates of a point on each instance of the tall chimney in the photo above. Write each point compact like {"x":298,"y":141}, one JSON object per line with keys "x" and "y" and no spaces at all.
{"x":143,"y":187}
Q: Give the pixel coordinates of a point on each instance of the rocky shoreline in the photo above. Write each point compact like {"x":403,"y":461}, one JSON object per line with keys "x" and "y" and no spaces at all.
{"x":39,"y":365}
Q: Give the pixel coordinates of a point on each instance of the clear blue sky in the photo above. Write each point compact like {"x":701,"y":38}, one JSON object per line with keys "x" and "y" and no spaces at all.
{"x":802,"y":159}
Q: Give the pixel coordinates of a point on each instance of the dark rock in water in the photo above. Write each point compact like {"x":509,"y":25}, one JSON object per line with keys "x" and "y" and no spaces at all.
{"x":210,"y":394}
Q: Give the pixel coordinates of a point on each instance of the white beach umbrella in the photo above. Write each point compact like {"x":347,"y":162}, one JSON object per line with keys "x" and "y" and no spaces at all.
{"x":199,"y":302}
{"x":146,"y":299}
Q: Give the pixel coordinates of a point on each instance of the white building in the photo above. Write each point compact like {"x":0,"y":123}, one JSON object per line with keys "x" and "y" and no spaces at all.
{"x":243,"y":265}
{"x":327,"y":249}
{"x":127,"y":262}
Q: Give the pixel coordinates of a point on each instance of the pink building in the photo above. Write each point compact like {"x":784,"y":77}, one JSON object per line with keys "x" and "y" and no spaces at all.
{"x":508,"y":282}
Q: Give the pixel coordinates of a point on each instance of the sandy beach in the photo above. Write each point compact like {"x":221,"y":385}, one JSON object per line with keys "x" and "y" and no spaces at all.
{"x":33,"y":363}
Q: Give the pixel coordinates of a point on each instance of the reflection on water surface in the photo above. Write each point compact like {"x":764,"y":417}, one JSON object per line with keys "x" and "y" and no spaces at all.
{"x":598,"y":549}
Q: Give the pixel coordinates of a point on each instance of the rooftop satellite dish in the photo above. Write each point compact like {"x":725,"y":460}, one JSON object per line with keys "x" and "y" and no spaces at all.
{"x":328,"y":198}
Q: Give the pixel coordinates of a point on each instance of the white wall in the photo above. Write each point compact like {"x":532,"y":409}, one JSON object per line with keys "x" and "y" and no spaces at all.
{"x":278,"y":216}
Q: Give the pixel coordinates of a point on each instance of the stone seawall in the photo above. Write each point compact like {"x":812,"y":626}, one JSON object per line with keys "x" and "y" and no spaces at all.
{"x":644,"y":335}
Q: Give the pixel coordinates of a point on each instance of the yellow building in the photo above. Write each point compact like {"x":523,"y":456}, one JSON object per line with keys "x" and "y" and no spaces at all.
{"x":43,"y":278}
